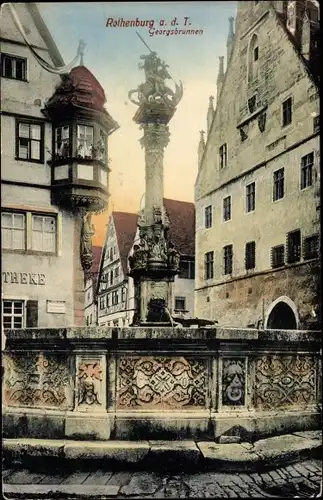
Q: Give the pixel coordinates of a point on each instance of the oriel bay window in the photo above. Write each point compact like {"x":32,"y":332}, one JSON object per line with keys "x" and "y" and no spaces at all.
{"x":29,"y":141}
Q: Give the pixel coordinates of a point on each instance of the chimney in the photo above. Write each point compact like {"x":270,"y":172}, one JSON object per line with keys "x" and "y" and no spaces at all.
{"x":201,"y":148}
{"x":230,"y":39}
{"x":220,"y":78}
{"x":210,"y":114}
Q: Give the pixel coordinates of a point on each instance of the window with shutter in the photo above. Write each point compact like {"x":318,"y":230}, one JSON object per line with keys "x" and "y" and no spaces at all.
{"x":32,"y":313}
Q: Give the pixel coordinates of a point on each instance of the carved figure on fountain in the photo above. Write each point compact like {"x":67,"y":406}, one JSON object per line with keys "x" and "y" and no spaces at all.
{"x":154,"y":89}
{"x":173,"y":256}
{"x":87,"y":232}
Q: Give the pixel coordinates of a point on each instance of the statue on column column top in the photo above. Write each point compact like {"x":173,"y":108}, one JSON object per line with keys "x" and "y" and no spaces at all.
{"x":155,"y":89}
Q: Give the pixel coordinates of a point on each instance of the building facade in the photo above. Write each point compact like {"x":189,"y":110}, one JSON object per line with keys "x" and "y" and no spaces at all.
{"x":257,"y":188}
{"x":115,"y":296}
{"x":91,"y":280}
{"x":47,"y":188}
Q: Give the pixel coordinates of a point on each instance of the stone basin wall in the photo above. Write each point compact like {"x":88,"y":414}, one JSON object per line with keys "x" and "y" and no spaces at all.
{"x":160,"y":383}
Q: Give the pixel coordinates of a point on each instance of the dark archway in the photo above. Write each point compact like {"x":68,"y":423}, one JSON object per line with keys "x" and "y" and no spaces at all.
{"x":282,"y":317}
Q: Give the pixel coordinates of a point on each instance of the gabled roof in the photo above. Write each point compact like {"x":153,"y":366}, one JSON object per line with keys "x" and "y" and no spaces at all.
{"x":94,"y":271}
{"x":181,"y":215}
{"x":125,"y":224}
{"x":45,"y":34}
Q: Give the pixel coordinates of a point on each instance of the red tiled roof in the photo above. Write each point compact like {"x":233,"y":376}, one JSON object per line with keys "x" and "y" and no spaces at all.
{"x":125,"y":225}
{"x":181,"y":215}
{"x":79,"y":88}
{"x":93,"y":272}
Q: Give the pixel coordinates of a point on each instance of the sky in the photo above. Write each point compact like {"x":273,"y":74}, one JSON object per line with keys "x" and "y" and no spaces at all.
{"x":112,"y":54}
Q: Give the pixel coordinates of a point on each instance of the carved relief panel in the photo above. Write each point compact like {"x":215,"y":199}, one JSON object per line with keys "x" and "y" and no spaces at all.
{"x":285,"y":381}
{"x":165,"y":383}
{"x":38,"y":381}
{"x":233,"y":382}
{"x":90,"y":383}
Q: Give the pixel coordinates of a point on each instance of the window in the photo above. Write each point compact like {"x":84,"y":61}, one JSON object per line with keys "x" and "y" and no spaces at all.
{"x":227,"y":208}
{"x":102,"y":302}
{"x":307,"y":170}
{"x":101,"y":148}
{"x":316,"y":124}
{"x":116,"y":272}
{"x":84,"y":141}
{"x":311,"y":247}
{"x":186,"y":269}
{"x":278,"y":256}
{"x":13,"y":67}
{"x":13,"y":314}
{"x":287,"y":112}
{"x":108,"y":300}
{"x":13,"y":231}
{"x":62,"y":142}
{"x":278,"y":184}
{"x":43,"y":234}
{"x":208,"y":216}
{"x":123,"y":295}
{"x":227,"y":259}
{"x":111,"y":254}
{"x":208,"y":265}
{"x":294,"y":246}
{"x":252,"y":103}
{"x":180,"y":304}
{"x":91,"y":319}
{"x":223,"y":156}
{"x":111,"y":277}
{"x":29,"y":141}
{"x":255,"y":53}
{"x":253,"y":56}
{"x":250,"y":255}
{"x":115,"y":298}
{"x":251,"y":197}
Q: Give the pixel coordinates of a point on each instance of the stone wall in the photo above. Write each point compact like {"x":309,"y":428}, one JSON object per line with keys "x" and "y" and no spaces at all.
{"x":248,"y":299}
{"x":133,"y":383}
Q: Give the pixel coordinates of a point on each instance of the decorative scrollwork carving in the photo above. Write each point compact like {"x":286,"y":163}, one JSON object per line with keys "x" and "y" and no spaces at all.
{"x":283,"y":381}
{"x":38,"y":381}
{"x":148,"y":382}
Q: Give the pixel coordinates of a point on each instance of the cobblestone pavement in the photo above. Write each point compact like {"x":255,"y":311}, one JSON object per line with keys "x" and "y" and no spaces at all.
{"x":102,"y":484}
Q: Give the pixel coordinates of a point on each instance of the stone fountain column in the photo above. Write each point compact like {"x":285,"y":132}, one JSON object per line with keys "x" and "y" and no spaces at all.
{"x":155,"y":261}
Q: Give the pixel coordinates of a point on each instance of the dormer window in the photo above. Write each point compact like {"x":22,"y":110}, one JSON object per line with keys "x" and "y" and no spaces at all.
{"x":253,"y":56}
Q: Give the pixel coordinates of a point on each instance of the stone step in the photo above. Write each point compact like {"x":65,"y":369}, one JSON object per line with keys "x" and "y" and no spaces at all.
{"x":232,"y":456}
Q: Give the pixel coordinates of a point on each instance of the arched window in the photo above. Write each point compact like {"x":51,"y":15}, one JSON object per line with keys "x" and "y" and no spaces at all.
{"x":253,"y":56}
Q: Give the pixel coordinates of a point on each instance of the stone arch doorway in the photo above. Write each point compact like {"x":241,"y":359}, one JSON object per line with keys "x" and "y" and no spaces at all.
{"x":282,"y":315}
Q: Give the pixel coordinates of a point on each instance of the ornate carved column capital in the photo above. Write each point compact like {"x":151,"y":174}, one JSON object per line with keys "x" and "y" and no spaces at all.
{"x":156,"y":136}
